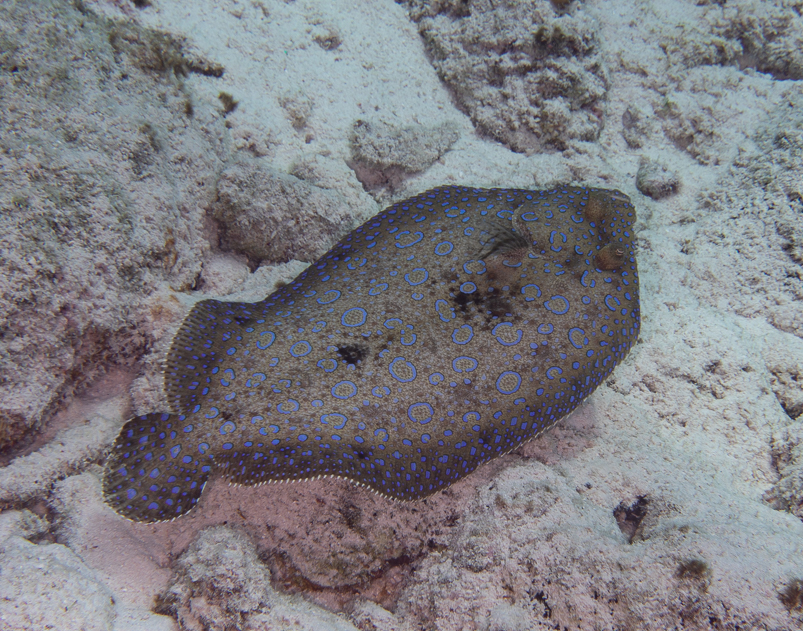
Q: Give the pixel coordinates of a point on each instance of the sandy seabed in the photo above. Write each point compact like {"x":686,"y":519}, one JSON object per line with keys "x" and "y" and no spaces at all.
{"x":146,"y":146}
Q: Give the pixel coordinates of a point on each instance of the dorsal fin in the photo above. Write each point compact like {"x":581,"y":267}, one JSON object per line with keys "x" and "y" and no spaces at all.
{"x":152,"y":473}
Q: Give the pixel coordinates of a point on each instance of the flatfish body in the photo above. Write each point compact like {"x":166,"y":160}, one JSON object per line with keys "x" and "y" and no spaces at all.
{"x":444,"y":332}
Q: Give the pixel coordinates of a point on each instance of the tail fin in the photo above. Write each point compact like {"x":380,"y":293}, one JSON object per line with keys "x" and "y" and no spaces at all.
{"x":152,"y":473}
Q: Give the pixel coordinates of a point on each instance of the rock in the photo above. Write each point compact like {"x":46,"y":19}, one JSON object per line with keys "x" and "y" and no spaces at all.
{"x":656,"y":180}
{"x":274,"y":217}
{"x":48,"y":587}
{"x":529,"y":75}
{"x":383,"y":154}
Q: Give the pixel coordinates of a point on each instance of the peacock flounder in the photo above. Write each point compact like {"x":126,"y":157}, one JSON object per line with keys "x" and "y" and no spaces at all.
{"x":444,"y":332}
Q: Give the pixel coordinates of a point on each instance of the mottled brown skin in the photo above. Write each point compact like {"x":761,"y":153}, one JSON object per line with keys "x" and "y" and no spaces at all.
{"x":445,"y":332}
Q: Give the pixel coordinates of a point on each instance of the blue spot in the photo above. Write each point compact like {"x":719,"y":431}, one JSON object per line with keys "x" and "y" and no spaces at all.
{"x":338,"y":421}
{"x":417,"y":236}
{"x":464,"y":364}
{"x":574,"y":332}
{"x":444,"y":248}
{"x":528,"y":289}
{"x":227,"y":445}
{"x":468,"y":288}
{"x":288,"y":407}
{"x":398,"y":372}
{"x":512,"y":382}
{"x":500,"y":328}
{"x":354,"y":317}
{"x":268,"y":336}
{"x":328,"y":365}
{"x":300,"y":349}
{"x":231,"y":351}
{"x":131,"y":494}
{"x":419,"y":271}
{"x":468,"y":271}
{"x":344,"y":390}
{"x":441,"y":307}
{"x":174,"y":450}
{"x":420,"y":413}
{"x":557,"y":305}
{"x":612,"y":302}
{"x":302,"y":437}
{"x":332,"y":294}
{"x":464,"y":331}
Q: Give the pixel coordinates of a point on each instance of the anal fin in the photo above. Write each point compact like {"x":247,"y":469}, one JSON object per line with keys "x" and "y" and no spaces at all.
{"x":151,"y":474}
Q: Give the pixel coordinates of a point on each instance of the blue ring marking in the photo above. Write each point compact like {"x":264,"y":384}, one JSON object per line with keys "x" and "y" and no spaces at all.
{"x":406,"y":341}
{"x":508,"y":373}
{"x":468,"y":271}
{"x":471,"y":417}
{"x":288,"y":407}
{"x":323,"y":363}
{"x":442,"y":303}
{"x":533,"y":216}
{"x":378,"y":289}
{"x":530,"y":298}
{"x":319,"y":326}
{"x":359,"y":311}
{"x":435,"y":378}
{"x":345,"y":384}
{"x":301,"y":349}
{"x":392,"y":370}
{"x":262,"y":345}
{"x":444,"y":248}
{"x":380,"y":391}
{"x":213,"y":412}
{"x":499,"y":339}
{"x":227,"y":428}
{"x":550,"y":372}
{"x":581,"y":332}
{"x":203,"y":448}
{"x":557,"y":310}
{"x":309,"y":293}
{"x":461,"y":328}
{"x":425,"y":438}
{"x":323,"y":300}
{"x":583,"y":279}
{"x":416,"y":406}
{"x":334,"y":419}
{"x":231,"y":351}
{"x":610,"y":305}
{"x":457,"y":359}
{"x":586,"y":300}
{"x":468,"y":288}
{"x":392,"y":320}
{"x":383,"y":433}
{"x":545,"y":329}
{"x":418,"y":237}
{"x":417,"y":269}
